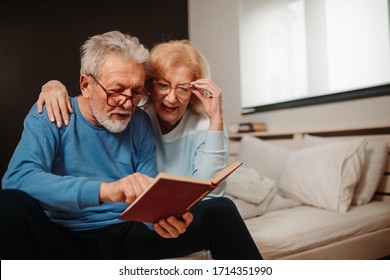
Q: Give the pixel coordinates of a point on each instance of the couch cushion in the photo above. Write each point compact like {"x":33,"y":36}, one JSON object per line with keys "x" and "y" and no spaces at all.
{"x":266,"y":158}
{"x":373,"y":168}
{"x":324,"y":176}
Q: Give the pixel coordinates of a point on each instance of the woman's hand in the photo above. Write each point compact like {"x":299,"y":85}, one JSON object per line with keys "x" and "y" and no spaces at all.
{"x":173,"y":227}
{"x":211,"y":97}
{"x":56,"y":97}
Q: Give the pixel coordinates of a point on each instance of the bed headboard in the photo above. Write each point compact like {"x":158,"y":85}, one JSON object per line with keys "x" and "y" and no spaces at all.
{"x":293,"y":140}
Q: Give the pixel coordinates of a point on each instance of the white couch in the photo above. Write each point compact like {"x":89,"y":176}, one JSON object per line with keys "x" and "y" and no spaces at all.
{"x":310,"y":197}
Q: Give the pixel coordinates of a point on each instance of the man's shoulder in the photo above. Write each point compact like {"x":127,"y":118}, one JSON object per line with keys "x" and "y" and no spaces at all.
{"x":140,"y":119}
{"x":140,"y":114}
{"x":41,"y":117}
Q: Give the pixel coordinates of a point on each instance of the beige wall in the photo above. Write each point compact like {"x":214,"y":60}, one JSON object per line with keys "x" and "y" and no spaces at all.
{"x":214,"y":29}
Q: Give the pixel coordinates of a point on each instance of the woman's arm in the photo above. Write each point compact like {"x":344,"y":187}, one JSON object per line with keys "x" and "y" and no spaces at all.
{"x":56,"y":98}
{"x":212,"y":155}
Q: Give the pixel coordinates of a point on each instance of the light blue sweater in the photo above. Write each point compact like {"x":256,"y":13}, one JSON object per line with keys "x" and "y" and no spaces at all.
{"x":191,"y":149}
{"x":63,"y":168}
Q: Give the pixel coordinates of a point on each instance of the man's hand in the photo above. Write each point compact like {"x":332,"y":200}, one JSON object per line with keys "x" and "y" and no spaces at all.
{"x":126,"y":189}
{"x":173,"y":227}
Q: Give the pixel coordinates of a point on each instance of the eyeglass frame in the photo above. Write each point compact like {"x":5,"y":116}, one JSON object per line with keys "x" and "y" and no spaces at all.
{"x":127,"y":97}
{"x":157,"y":82}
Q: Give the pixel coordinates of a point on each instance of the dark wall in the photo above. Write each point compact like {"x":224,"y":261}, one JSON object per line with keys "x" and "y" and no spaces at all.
{"x":41,"y":41}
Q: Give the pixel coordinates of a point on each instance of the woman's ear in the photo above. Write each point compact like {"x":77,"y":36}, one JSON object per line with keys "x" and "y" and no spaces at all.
{"x":85,"y":85}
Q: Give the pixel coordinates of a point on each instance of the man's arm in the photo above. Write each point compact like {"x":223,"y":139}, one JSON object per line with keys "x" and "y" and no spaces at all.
{"x":30,"y":169}
{"x":33,"y":169}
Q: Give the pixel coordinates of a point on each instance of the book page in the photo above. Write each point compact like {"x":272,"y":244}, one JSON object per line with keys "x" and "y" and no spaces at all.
{"x":221,"y":175}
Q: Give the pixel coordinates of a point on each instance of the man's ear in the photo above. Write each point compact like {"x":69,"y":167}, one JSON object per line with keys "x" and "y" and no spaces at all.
{"x":85,"y":85}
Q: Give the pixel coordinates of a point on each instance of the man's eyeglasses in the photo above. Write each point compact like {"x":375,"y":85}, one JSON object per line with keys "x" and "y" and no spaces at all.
{"x":182,"y":91}
{"x":138,"y":98}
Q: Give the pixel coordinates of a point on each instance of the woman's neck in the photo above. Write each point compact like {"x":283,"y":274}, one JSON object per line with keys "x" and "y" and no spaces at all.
{"x":166,"y":127}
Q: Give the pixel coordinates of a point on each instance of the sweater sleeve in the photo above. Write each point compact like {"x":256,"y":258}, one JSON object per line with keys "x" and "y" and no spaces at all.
{"x":30,"y":169}
{"x":211,"y":157}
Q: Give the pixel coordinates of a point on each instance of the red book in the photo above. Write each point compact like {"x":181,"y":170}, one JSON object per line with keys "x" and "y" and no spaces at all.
{"x":173,"y":195}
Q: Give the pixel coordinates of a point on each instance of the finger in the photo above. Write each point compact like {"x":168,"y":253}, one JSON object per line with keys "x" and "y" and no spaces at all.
{"x":129,"y":199}
{"x":40,"y":103}
{"x":70,"y":109}
{"x":138,"y":189}
{"x":64,"y":111}
{"x":188,"y":218}
{"x":161,"y":231}
{"x":206,"y":90}
{"x":49,"y":111}
{"x":179,"y":225}
{"x":199,"y":95}
{"x":203,"y":81}
{"x":130,"y":194}
{"x":206,"y":84}
{"x":202,"y":86}
{"x":135,"y":184}
{"x":57,"y":113}
{"x":167,"y":225}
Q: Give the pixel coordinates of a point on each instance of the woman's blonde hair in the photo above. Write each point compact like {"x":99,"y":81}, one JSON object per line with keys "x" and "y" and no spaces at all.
{"x":177,"y":53}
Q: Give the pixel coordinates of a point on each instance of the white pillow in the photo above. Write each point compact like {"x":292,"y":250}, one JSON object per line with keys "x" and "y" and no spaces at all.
{"x":324,"y":176}
{"x":266,"y":158}
{"x":246,"y":184}
{"x":247,"y":210}
{"x":373,"y":168}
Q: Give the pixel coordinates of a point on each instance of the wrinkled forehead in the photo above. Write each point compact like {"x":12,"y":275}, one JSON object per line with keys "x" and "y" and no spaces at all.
{"x":177,"y":75}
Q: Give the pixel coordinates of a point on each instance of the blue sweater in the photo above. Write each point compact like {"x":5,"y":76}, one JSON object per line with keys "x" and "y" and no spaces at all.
{"x":63,"y":168}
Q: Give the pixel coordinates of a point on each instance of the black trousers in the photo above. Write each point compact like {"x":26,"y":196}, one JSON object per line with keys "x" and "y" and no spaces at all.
{"x":27,"y":233}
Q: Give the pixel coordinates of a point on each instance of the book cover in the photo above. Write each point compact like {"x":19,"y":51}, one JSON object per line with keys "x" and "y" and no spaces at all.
{"x":172,"y":195}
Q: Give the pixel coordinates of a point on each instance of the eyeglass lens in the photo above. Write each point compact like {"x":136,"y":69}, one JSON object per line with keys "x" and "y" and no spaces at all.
{"x":181,"y":91}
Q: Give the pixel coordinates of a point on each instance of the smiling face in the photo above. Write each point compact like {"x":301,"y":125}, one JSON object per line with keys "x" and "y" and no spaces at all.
{"x":168,"y":107}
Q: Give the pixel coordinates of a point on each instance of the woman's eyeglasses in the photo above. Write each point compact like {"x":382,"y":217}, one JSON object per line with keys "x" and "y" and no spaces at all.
{"x":182,"y":91}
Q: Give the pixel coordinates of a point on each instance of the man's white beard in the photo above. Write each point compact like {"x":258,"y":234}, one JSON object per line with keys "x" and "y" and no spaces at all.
{"x":114,"y":126}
